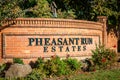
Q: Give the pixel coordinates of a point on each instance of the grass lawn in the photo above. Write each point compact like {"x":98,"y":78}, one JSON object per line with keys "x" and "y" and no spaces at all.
{"x":98,"y":75}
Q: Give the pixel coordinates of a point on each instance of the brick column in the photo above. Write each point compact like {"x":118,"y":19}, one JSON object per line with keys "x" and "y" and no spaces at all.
{"x":0,"y":47}
{"x":103,"y":20}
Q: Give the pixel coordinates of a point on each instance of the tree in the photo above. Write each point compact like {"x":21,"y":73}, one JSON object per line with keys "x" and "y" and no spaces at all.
{"x":75,"y":9}
{"x":64,"y":9}
{"x":9,"y":9}
{"x":40,"y":8}
{"x":24,"y":8}
{"x":107,"y":8}
{"x":82,"y":9}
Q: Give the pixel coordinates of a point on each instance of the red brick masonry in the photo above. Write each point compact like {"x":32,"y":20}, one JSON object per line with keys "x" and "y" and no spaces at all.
{"x":30,"y":38}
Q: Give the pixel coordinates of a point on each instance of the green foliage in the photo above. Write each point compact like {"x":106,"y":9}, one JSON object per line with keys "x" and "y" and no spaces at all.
{"x":39,"y":62}
{"x":73,"y":64}
{"x":41,"y":9}
{"x":2,"y":68}
{"x":18,"y":60}
{"x":62,"y":68}
{"x":52,"y":67}
{"x":66,"y":14}
{"x":55,"y":66}
{"x":35,"y":75}
{"x":106,"y":8}
{"x":103,"y":57}
{"x":24,"y":8}
{"x":90,"y":9}
{"x":98,"y":75}
{"x":25,"y":4}
{"x":84,"y":9}
{"x":9,"y":9}
{"x":39,"y":68}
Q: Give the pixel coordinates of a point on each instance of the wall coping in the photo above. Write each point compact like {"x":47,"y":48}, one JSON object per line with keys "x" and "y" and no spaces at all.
{"x":51,"y":22}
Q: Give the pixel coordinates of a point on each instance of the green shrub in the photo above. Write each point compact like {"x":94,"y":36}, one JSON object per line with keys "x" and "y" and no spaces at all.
{"x":39,"y":63}
{"x":18,"y":60}
{"x":35,"y":75}
{"x":39,"y":68}
{"x":102,"y":57}
{"x":2,"y":68}
{"x":52,"y":67}
{"x":55,"y":66}
{"x":73,"y":64}
{"x":61,"y":66}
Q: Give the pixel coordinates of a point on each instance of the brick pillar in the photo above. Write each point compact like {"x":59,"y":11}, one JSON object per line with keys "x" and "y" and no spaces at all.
{"x":0,"y":48}
{"x":103,"y":20}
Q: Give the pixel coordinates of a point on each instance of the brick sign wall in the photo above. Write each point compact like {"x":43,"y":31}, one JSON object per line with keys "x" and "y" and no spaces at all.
{"x":42,"y":45}
{"x":40,"y":37}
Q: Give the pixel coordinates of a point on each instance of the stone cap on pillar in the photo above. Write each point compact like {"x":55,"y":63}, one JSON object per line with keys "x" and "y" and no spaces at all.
{"x":102,"y":19}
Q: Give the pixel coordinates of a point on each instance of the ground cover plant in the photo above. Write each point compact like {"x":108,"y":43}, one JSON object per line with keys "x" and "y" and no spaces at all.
{"x":54,"y":67}
{"x":103,"y":57}
{"x":18,"y":60}
{"x":71,"y":69}
{"x":2,"y":68}
{"x":98,"y":75}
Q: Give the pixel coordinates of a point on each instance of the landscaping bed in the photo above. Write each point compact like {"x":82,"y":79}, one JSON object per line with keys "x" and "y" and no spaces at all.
{"x":113,"y":74}
{"x":98,"y":75}
{"x":102,"y":66}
